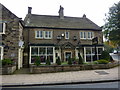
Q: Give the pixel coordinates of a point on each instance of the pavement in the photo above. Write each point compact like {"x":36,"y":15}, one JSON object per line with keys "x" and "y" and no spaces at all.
{"x":86,"y":76}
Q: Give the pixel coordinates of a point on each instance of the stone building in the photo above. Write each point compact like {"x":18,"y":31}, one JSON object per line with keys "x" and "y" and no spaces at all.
{"x":52,"y":36}
{"x":11,"y":36}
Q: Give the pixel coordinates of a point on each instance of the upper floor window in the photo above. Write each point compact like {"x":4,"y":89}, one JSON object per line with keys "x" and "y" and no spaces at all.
{"x":43,"y":34}
{"x":48,"y":35}
{"x":66,"y":35}
{"x":2,"y":28}
{"x":86,"y":35}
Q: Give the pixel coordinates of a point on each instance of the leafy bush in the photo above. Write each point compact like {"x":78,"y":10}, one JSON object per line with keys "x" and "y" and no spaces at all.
{"x":48,"y":61}
{"x":7,"y":62}
{"x":102,"y":61}
{"x":105,"y":55}
{"x":58,"y":61}
{"x":70,"y":61}
{"x":37,"y":61}
{"x":80,"y":61}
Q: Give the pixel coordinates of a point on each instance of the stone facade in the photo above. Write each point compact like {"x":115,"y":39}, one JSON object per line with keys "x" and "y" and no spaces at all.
{"x":12,"y":36}
{"x":58,"y":26}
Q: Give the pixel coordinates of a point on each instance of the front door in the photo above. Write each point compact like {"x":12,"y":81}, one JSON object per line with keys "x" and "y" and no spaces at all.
{"x":67,"y":55}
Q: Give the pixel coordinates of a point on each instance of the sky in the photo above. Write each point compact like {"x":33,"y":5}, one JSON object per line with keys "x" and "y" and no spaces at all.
{"x":95,"y":10}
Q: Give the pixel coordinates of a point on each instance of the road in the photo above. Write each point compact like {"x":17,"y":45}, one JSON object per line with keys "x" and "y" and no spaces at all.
{"x":109,"y":85}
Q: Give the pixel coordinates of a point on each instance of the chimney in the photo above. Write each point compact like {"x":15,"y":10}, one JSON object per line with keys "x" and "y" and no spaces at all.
{"x":29,"y":10}
{"x":61,"y":12}
{"x":84,"y":16}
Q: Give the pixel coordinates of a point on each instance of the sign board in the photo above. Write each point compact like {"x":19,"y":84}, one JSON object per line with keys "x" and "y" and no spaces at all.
{"x":21,"y":43}
{"x":95,"y":41}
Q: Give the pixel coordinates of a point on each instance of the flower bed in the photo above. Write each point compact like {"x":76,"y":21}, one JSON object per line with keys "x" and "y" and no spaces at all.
{"x":64,"y":68}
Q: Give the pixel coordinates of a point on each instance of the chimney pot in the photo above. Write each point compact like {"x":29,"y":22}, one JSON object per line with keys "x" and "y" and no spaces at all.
{"x":84,"y":16}
{"x":29,"y":10}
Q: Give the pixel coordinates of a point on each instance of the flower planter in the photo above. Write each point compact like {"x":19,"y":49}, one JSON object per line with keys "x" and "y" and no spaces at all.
{"x":64,"y":68}
{"x":7,"y":70}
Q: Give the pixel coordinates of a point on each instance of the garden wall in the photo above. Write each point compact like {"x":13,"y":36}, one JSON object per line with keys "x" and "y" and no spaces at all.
{"x":7,"y":70}
{"x":63,"y":68}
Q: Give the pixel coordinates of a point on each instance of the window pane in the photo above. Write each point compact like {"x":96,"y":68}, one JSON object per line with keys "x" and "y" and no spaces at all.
{"x":42,"y":58}
{"x":81,"y":34}
{"x":49,"y":50}
{"x":100,"y":50}
{"x":41,"y":34}
{"x":88,"y":58}
{"x":67,"y":35}
{"x":1,"y":27}
{"x":84,"y":34}
{"x":93,"y":50}
{"x":34,"y":50}
{"x":89,"y":34}
{"x":50,"y":57}
{"x":33,"y":58}
{"x":50,"y":34}
{"x":88,"y":50}
{"x":42,"y":50}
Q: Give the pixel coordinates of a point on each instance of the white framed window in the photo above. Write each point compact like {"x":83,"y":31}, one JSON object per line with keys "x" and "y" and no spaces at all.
{"x":42,"y":52}
{"x":43,"y":34}
{"x":1,"y":52}
{"x":67,"y":35}
{"x":39,"y":34}
{"x":90,"y":53}
{"x":47,"y":34}
{"x":2,"y":28}
{"x":86,"y":35}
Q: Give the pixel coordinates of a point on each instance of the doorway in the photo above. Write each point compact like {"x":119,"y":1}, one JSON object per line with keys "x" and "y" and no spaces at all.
{"x":67,"y":55}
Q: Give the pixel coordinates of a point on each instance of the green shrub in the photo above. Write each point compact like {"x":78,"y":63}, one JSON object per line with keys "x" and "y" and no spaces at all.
{"x":102,"y":61}
{"x":80,"y":61}
{"x":58,"y":61}
{"x":48,"y":61}
{"x":70,"y":61}
{"x":105,"y":55}
{"x":7,"y":62}
{"x":37,"y":61}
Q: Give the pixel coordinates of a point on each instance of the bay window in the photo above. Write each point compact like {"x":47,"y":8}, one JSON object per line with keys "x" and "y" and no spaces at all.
{"x":42,"y":52}
{"x":90,"y":53}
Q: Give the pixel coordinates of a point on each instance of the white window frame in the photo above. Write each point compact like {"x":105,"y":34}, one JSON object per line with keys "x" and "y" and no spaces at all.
{"x":67,"y":35}
{"x":84,"y":35}
{"x":41,"y":54}
{"x":1,"y":53}
{"x":49,"y":36}
{"x":39,"y":36}
{"x":3,"y":28}
{"x":91,"y":52}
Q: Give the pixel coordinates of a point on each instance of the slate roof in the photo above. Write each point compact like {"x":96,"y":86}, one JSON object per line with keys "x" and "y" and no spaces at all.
{"x":33,"y":20}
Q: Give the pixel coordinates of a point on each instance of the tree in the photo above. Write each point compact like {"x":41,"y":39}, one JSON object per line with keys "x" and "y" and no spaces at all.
{"x":112,"y":25}
{"x":37,"y":61}
{"x":70,"y":61}
{"x":80,"y":61}
{"x":58,"y":61}
{"x":48,"y":61}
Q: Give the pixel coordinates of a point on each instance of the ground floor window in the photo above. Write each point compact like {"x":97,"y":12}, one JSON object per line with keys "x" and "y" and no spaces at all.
{"x":89,"y":53}
{"x":1,"y":52}
{"x":43,"y":52}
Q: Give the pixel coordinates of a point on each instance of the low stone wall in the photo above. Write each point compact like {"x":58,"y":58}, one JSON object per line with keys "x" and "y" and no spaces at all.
{"x":64,"y":68}
{"x":7,"y":70}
